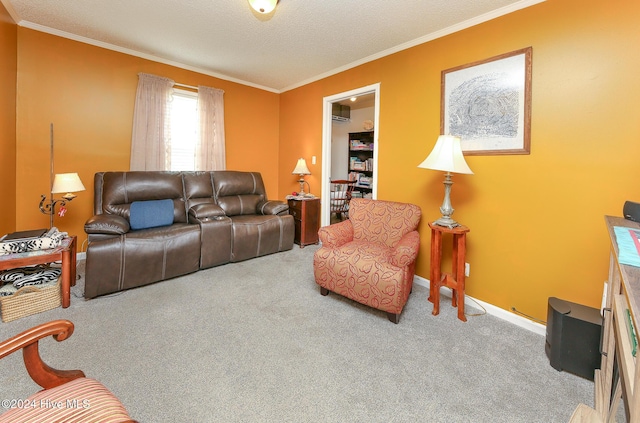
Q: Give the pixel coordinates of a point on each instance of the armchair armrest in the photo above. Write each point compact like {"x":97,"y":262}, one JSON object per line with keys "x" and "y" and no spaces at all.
{"x":337,"y":234}
{"x":406,"y":251}
{"x":272,"y":207}
{"x":205,"y":211}
{"x":110,"y":224}
{"x":27,"y":341}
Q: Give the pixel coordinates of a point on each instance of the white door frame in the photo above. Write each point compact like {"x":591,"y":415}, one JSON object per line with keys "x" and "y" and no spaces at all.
{"x":326,"y":143}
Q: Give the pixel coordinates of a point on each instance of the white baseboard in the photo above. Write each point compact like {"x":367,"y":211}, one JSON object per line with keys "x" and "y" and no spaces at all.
{"x":468,"y":302}
{"x":491,"y":309}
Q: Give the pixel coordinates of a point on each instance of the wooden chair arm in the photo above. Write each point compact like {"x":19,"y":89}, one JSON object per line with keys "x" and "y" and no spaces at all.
{"x":27,"y":341}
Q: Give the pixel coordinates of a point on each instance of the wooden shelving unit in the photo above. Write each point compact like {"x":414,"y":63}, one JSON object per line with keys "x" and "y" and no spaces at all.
{"x":361,"y":167}
{"x":618,"y":375}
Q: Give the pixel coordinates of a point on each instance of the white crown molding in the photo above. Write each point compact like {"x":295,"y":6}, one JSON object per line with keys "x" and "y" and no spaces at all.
{"x":135,"y":53}
{"x":429,"y":37}
{"x":12,"y":12}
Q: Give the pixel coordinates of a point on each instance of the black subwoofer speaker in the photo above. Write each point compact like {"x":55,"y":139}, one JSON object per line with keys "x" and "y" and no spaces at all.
{"x":631,"y":211}
{"x":573,"y":337}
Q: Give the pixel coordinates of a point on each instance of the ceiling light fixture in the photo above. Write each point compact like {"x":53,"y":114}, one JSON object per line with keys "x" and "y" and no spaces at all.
{"x":263,"y":6}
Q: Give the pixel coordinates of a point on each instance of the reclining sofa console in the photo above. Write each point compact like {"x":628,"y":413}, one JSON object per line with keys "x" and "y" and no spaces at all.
{"x":152,"y":226}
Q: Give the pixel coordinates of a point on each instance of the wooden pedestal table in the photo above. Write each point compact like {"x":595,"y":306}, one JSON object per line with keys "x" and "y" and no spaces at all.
{"x":455,"y":279}
{"x":65,"y":252}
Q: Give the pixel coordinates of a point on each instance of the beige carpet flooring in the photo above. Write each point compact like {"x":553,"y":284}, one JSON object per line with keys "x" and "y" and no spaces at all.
{"x":256,"y":342}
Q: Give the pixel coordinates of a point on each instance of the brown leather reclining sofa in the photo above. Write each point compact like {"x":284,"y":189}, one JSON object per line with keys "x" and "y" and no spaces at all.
{"x":218,"y":217}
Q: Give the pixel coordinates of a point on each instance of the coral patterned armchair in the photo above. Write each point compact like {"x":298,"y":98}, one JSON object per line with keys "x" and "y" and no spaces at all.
{"x":370,"y":258}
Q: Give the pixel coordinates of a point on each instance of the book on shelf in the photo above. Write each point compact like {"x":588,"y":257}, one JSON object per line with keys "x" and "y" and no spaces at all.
{"x":360,"y":146}
{"x":363,"y":165}
{"x":632,"y":333}
{"x":628,"y":240}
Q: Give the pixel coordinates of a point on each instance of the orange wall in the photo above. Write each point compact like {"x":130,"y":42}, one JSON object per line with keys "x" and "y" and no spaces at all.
{"x":8,"y":58}
{"x":88,"y":94}
{"x":537,"y":227}
{"x":536,"y":221}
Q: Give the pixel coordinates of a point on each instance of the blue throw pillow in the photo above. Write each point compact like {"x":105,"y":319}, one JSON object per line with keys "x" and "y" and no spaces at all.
{"x":151,"y":214}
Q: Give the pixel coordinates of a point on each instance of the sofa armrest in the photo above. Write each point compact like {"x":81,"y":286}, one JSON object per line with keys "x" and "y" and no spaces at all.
{"x":406,"y":251}
{"x":205,"y":211}
{"x":27,"y":341}
{"x":337,"y":234}
{"x":107,"y":224}
{"x":275,"y":207}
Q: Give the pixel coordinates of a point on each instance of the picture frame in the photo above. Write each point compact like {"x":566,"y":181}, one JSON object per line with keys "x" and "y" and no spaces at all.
{"x":488,"y":104}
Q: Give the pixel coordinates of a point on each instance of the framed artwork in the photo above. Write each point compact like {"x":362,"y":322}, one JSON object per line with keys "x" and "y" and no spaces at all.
{"x":488,"y":104}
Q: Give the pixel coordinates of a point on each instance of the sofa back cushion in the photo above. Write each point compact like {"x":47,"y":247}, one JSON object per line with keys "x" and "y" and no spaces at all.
{"x":238,"y":193}
{"x":115,"y":191}
{"x":384,"y":222}
{"x":198,"y":188}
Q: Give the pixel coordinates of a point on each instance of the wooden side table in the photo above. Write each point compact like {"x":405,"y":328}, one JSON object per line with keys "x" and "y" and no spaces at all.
{"x":66,"y":253}
{"x":455,"y":279}
{"x":306,"y":214}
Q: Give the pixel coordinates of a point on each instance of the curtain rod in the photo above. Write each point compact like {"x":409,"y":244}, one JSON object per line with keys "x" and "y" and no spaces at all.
{"x":185,"y":86}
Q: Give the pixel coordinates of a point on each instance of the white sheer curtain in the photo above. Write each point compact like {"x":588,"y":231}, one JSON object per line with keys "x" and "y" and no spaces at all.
{"x":150,"y":140}
{"x":210,"y":151}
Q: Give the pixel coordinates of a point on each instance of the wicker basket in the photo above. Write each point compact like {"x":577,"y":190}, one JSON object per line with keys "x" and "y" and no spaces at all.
{"x":30,"y":300}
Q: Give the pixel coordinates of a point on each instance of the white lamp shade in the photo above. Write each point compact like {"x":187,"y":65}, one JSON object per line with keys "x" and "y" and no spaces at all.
{"x":67,"y":182}
{"x":263,"y":6}
{"x":446,"y":156}
{"x":301,"y":168}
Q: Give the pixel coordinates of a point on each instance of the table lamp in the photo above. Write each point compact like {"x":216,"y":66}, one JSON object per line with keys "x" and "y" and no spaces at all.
{"x":446,"y":156}
{"x":301,"y":169}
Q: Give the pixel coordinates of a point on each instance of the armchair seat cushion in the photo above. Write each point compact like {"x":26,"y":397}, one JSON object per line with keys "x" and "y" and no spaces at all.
{"x":81,"y":400}
{"x":376,"y":283}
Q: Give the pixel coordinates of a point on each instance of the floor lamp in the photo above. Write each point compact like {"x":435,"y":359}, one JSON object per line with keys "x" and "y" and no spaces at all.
{"x":446,"y":156}
{"x":59,"y":183}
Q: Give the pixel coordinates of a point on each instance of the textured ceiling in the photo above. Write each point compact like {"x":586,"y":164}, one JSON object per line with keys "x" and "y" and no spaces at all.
{"x":302,"y":40}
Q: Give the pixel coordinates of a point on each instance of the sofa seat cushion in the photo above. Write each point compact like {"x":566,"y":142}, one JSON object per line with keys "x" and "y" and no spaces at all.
{"x":362,"y":271}
{"x":81,"y":400}
{"x":141,"y":257}
{"x":258,"y":235}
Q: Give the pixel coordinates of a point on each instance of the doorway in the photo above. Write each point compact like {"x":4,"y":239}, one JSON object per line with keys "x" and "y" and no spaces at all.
{"x":327,"y":132}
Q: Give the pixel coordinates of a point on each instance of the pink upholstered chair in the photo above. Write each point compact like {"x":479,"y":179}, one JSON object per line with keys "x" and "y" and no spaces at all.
{"x":76,"y":398}
{"x":370,"y":258}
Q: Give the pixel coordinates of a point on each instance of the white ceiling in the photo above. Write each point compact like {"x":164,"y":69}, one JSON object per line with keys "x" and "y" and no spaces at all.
{"x":301,"y":41}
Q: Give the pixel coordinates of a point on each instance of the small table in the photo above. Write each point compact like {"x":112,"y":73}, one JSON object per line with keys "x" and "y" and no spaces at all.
{"x":306,"y":216}
{"x":455,"y":279}
{"x":65,"y":252}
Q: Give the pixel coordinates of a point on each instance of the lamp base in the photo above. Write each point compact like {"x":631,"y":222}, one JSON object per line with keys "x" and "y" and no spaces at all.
{"x":446,"y":209}
{"x":447,"y":222}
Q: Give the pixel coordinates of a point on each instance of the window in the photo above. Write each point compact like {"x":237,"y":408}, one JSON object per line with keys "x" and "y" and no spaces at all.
{"x":184,"y":129}
{"x":197,"y":131}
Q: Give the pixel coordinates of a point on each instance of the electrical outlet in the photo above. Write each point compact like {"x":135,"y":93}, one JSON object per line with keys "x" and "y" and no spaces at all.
{"x":467,"y":268}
